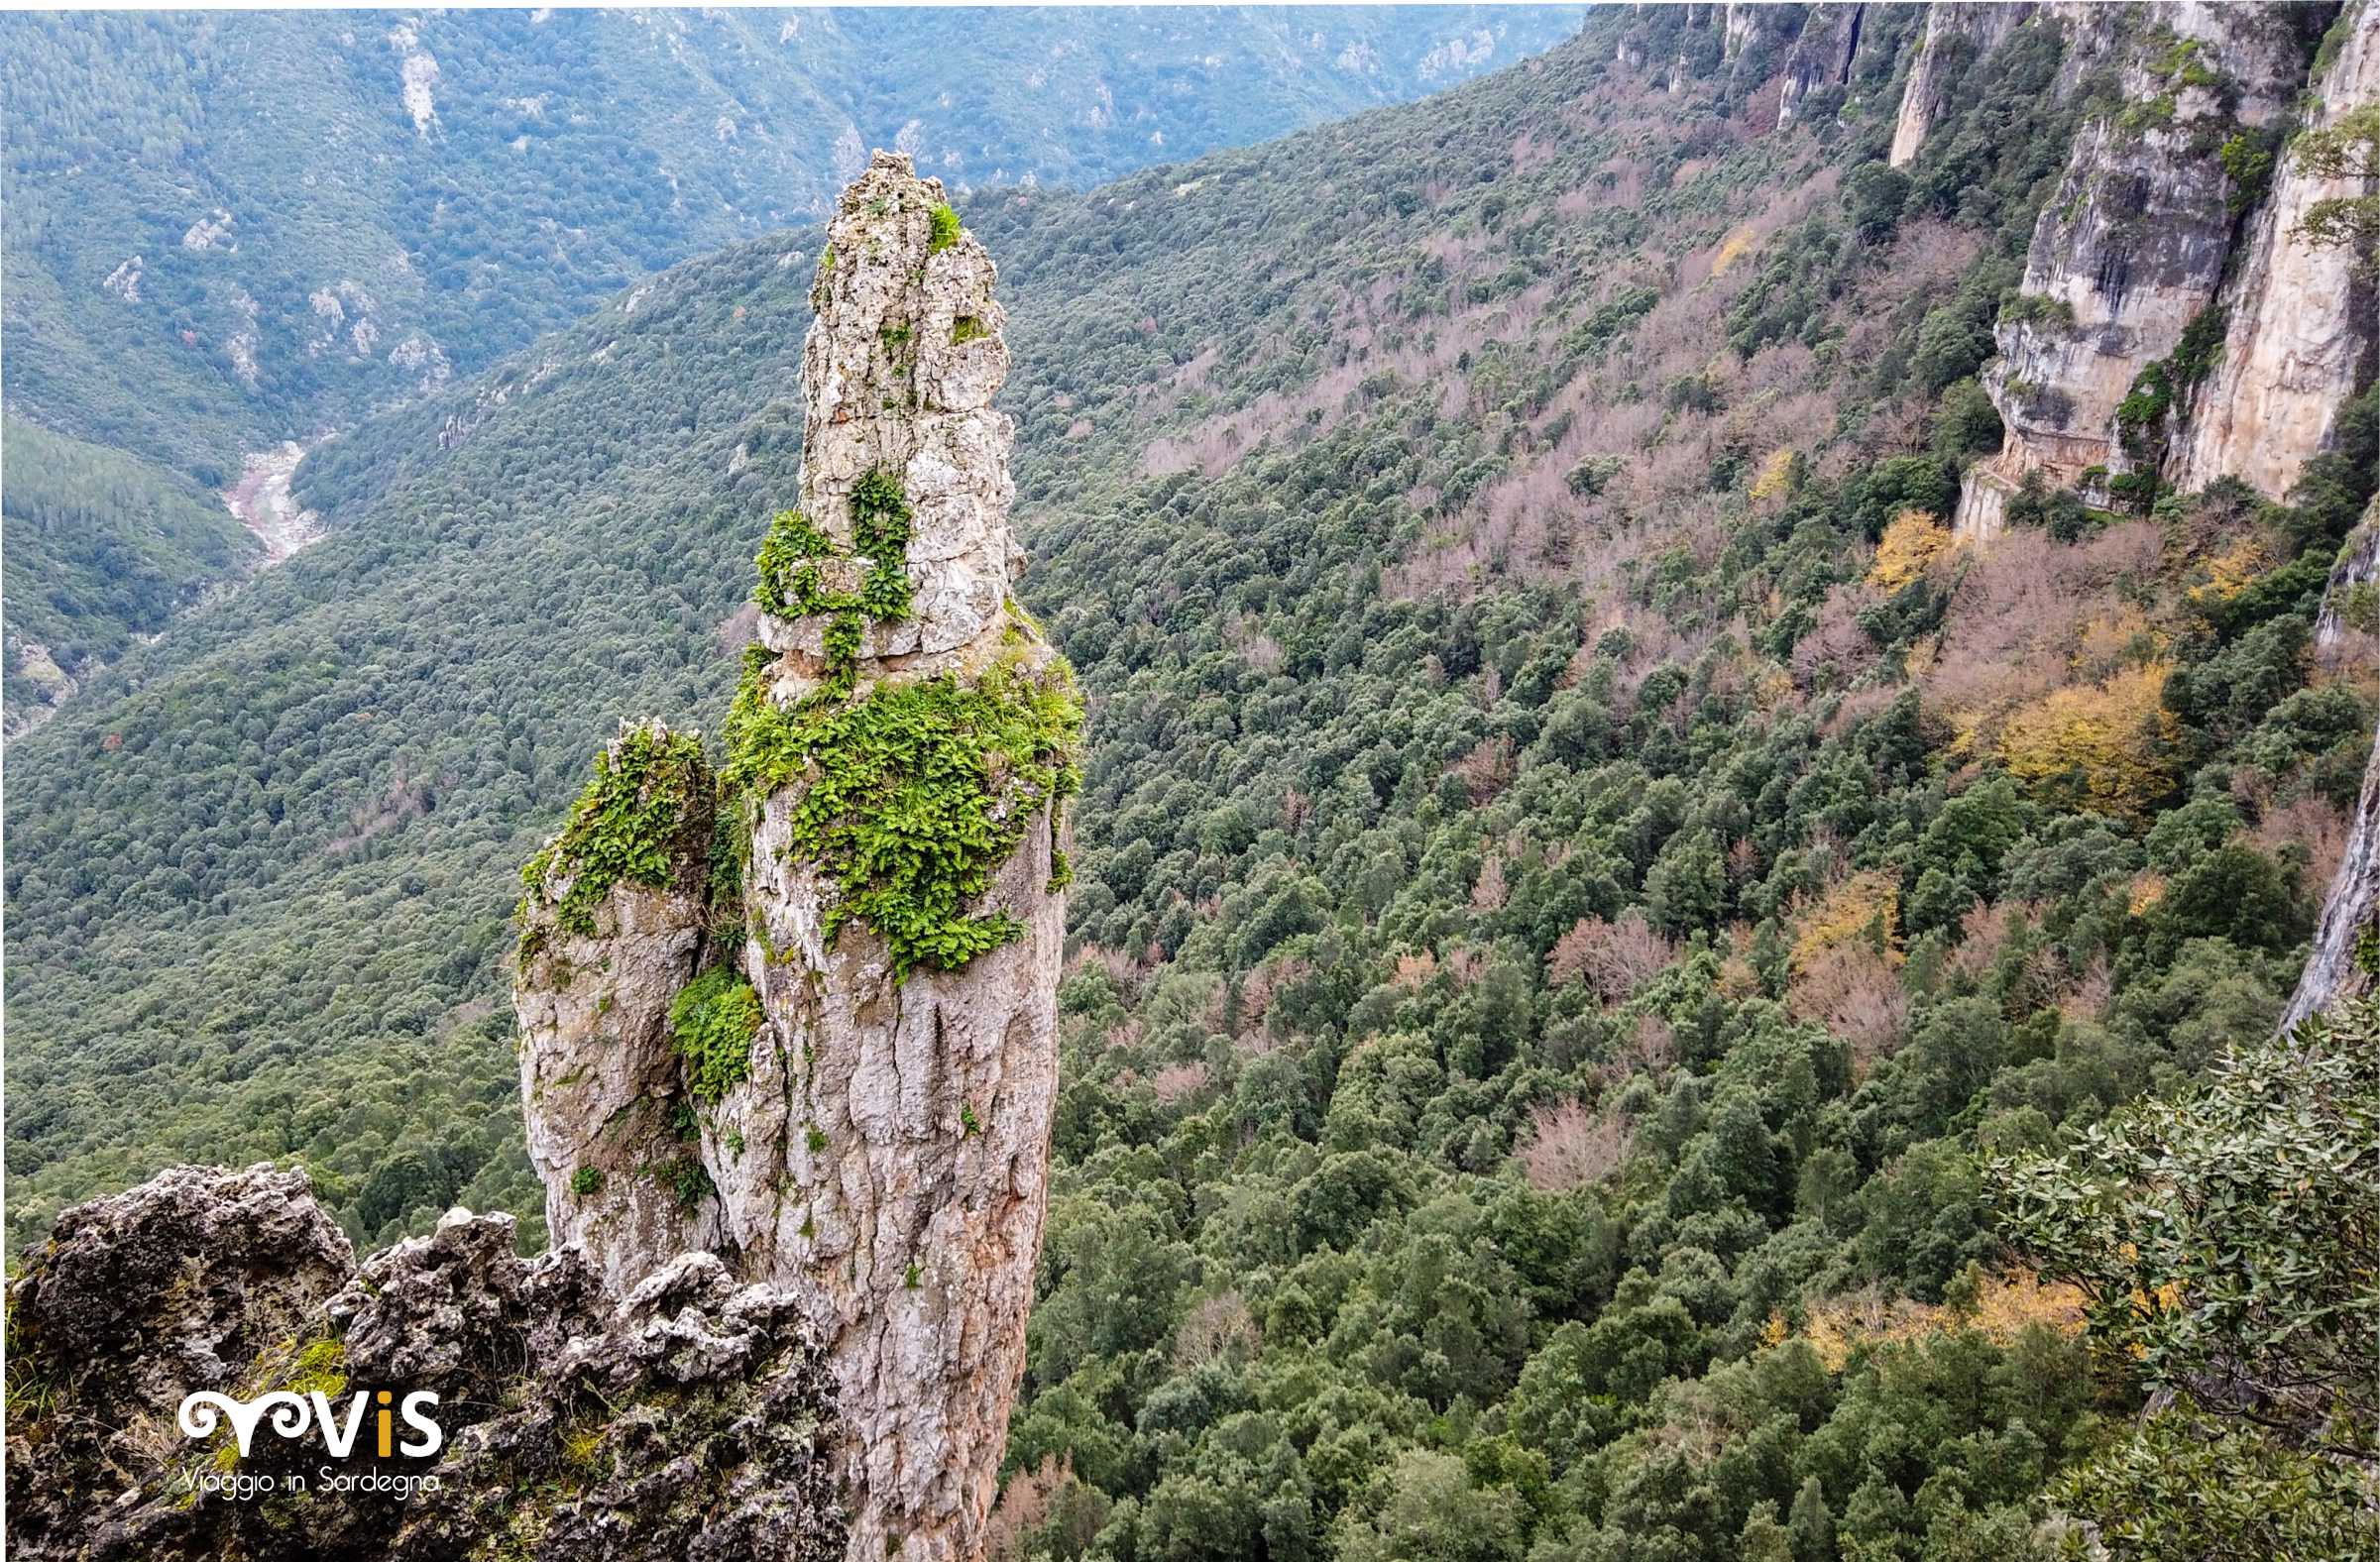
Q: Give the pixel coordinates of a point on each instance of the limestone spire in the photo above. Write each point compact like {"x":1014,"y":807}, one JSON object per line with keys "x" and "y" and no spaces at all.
{"x":859,"y":1061}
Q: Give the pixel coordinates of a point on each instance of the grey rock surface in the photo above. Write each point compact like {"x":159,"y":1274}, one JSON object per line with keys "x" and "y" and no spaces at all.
{"x":2302,"y":328}
{"x":2131,"y":246}
{"x":691,"y":1419}
{"x":602,"y":1087}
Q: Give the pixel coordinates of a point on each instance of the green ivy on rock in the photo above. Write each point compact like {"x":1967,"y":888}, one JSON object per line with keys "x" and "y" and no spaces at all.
{"x":914,"y":795}
{"x":795,"y":568}
{"x":646,"y":795}
{"x":713,"y":1021}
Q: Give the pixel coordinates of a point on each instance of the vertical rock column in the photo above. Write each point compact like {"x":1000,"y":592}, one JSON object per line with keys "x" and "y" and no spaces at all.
{"x":899,"y":754}
{"x":614,"y":925}
{"x":2302,"y":338}
{"x":803,"y":1014}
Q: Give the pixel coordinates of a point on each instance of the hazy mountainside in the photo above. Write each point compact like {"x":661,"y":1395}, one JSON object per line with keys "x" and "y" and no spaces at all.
{"x":1580,"y":874}
{"x":223,"y":231}
{"x":230,"y":229}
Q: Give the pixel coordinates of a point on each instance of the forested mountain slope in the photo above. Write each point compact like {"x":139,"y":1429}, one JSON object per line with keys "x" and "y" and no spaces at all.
{"x":101,"y":547}
{"x":228,"y":230}
{"x":1581,"y":871}
{"x":225,"y":229}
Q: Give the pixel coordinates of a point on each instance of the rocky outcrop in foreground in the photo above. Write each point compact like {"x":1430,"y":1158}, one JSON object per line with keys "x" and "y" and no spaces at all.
{"x":801,"y":1014}
{"x":688,"y":1419}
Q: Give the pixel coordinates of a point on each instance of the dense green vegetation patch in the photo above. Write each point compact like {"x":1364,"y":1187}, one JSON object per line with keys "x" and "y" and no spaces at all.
{"x":643,"y":797}
{"x":945,"y":230}
{"x":713,"y":1021}
{"x":914,"y":795}
{"x":798,"y":578}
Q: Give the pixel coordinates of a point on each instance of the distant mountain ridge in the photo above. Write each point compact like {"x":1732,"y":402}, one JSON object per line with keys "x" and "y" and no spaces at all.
{"x":264,"y":222}
{"x":227,"y":230}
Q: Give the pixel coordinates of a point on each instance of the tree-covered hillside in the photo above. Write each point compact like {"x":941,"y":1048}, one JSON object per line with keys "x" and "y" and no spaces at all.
{"x":102,"y":546}
{"x":1581,"y":877}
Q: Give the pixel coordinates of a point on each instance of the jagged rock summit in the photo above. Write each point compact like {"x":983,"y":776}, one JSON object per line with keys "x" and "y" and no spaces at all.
{"x":800,"y":1012}
{"x":788,"y":1062}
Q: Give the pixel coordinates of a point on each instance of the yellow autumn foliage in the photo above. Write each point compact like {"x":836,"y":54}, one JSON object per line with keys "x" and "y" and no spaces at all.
{"x":1865,"y":905}
{"x":2004,"y":1309}
{"x":1777,"y":474}
{"x":2228,"y":572}
{"x":1734,"y":248}
{"x":2108,"y":640}
{"x":2113,"y":736}
{"x":1914,"y":540}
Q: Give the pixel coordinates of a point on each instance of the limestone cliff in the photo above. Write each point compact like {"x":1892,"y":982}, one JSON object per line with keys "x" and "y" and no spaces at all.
{"x":2303,"y":317}
{"x":2351,"y":612}
{"x":607,"y":945}
{"x":2348,"y":938}
{"x":812,"y":1027}
{"x":2112,"y":327}
{"x":1820,"y":57}
{"x":1956,"y":36}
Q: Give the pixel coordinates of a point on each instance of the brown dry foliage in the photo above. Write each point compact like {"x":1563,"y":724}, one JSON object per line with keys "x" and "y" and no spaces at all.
{"x":1177,"y":1083}
{"x":1569,"y":1146}
{"x":1855,"y":992}
{"x":1614,"y":958}
{"x":1219,"y":1328}
{"x":1487,"y":769}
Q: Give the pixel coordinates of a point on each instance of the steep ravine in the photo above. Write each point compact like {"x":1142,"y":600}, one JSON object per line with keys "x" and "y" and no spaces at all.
{"x":787,"y":1004}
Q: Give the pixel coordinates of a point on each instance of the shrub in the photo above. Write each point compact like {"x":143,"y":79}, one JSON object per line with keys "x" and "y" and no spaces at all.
{"x":713,"y":1021}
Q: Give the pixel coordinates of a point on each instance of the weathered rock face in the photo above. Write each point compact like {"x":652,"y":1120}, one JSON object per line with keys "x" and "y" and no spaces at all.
{"x":897,"y":377}
{"x":136,"y":1301}
{"x":2351,"y":914}
{"x":819,"y":1041}
{"x":606,"y":1100}
{"x":2302,"y":336}
{"x":2131,"y":246}
{"x":1820,"y":57}
{"x":894,"y":1131}
{"x":692,"y":1418}
{"x":2351,"y":596}
{"x":1956,"y":36}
